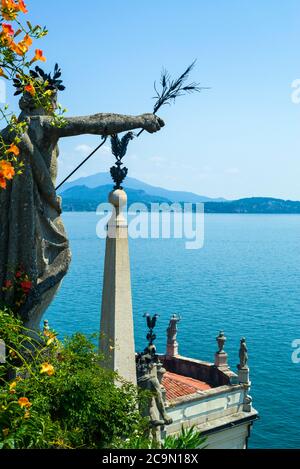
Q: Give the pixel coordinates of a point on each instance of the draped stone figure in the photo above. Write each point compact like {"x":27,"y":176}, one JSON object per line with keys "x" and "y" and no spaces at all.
{"x":243,"y":354}
{"x":148,"y":370}
{"x":32,"y":234}
{"x":172,"y":330}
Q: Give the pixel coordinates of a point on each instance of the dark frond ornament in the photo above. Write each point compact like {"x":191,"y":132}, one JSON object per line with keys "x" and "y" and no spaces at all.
{"x":54,"y":83}
{"x":151,"y":323}
{"x":119,"y":149}
{"x":172,"y":89}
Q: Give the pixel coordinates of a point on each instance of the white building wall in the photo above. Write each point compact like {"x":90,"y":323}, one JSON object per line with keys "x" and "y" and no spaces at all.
{"x":211,"y":412}
{"x":231,"y":438}
{"x":205,"y":409}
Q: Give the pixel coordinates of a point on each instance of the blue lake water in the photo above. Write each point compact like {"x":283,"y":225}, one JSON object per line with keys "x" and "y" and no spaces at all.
{"x":245,"y":280}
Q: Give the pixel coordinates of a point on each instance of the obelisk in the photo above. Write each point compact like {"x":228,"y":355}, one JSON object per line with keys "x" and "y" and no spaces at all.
{"x":117,"y":333}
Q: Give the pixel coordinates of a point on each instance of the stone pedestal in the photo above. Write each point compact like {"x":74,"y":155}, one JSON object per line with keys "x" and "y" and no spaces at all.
{"x":172,"y":349}
{"x":117,"y":334}
{"x":221,"y":360}
{"x":247,"y":404}
{"x":243,"y":374}
{"x":244,"y":379}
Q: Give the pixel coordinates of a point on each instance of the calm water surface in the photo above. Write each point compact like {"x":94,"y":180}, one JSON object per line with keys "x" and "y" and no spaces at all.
{"x":245,"y":280}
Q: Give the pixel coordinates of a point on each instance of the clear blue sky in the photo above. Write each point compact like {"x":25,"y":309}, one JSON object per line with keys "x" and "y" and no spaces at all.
{"x":239,"y":139}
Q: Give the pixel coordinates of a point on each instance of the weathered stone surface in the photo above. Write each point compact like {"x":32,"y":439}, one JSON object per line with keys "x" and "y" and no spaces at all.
{"x":149,"y":373}
{"x":221,"y":360}
{"x":243,"y":354}
{"x":32,"y":233}
{"x":243,"y":374}
{"x":172,"y":344}
{"x":117,"y":333}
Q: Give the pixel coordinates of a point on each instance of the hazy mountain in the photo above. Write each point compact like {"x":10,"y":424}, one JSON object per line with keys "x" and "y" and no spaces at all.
{"x":104,"y":179}
{"x":85,"y":199}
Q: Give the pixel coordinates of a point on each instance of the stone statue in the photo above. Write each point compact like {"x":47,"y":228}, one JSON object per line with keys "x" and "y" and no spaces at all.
{"x":243,"y":354}
{"x":32,"y":235}
{"x":147,"y":378}
{"x":221,"y":339}
{"x":172,"y":344}
{"x":172,"y":329}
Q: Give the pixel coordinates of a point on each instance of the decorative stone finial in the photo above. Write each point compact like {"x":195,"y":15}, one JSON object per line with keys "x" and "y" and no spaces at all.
{"x":151,"y":323}
{"x":172,"y":344}
{"x":117,"y":225}
{"x":221,"y":356}
{"x":118,"y":198}
{"x":119,"y":148}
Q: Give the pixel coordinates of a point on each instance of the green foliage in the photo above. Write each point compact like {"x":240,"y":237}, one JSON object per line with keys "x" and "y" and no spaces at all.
{"x":55,"y":395}
{"x":136,"y":441}
{"x":16,"y":61}
{"x":35,"y":433}
{"x":189,"y":438}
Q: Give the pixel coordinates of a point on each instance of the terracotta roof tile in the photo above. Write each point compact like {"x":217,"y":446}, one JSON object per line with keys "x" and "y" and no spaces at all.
{"x":178,"y":385}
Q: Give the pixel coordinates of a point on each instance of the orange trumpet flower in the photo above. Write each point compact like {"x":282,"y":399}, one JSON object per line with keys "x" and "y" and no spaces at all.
{"x":39,"y":56}
{"x":2,"y":182}
{"x":13,"y":149}
{"x":6,"y":170}
{"x":7,"y":29}
{"x":22,"y":6}
{"x":10,"y":9}
{"x":22,"y":47}
{"x":30,"y":89}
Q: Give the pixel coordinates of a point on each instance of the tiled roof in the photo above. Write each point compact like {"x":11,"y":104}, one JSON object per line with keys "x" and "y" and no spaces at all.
{"x":178,"y":385}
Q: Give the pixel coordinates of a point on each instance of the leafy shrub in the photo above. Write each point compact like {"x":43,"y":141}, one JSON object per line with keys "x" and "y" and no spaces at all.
{"x":189,"y":438}
{"x":57,"y":395}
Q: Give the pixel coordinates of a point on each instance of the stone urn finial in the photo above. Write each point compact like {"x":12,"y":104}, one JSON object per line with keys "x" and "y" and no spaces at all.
{"x":117,"y":224}
{"x":118,"y":199}
{"x":221,"y":356}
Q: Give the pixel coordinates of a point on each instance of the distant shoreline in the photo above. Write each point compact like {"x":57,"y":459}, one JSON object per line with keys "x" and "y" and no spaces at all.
{"x":206,"y":213}
{"x":86,"y":198}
